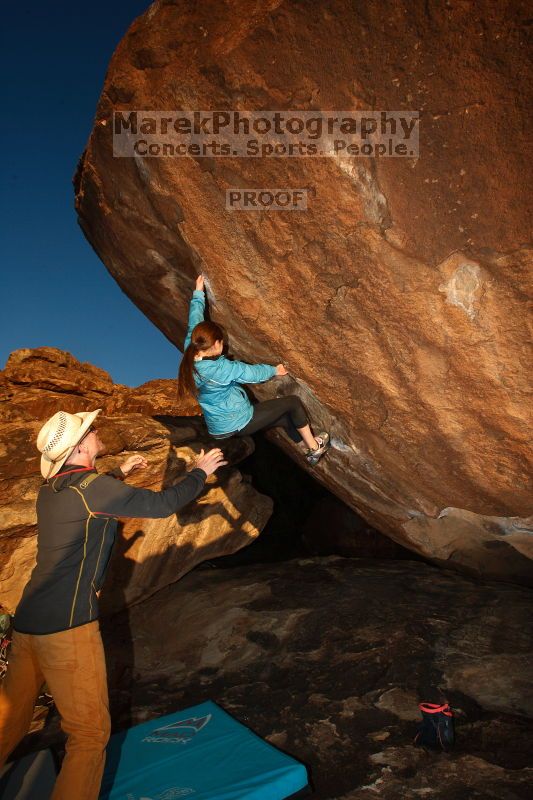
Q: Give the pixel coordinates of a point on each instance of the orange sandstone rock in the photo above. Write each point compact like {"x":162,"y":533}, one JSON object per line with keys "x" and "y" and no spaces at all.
{"x":149,"y":554}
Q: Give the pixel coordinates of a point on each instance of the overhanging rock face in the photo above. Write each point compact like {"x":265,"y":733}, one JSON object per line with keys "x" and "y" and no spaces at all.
{"x":398,"y":299}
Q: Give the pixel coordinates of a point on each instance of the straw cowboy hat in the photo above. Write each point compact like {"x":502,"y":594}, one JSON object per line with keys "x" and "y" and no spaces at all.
{"x":59,"y":436}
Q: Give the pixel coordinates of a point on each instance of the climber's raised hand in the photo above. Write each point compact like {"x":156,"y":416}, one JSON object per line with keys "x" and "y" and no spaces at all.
{"x":281,"y":369}
{"x":200,"y":283}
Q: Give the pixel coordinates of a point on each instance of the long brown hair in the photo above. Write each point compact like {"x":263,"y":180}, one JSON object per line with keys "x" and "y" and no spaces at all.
{"x":204,"y":336}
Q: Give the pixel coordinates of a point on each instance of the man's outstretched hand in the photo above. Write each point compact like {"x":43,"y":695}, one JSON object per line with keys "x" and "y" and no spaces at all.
{"x":210,"y":461}
{"x":200,"y":283}
{"x":133,"y":463}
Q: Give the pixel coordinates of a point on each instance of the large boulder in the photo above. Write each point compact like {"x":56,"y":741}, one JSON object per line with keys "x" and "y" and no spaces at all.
{"x":149,"y":554}
{"x":398,"y":299}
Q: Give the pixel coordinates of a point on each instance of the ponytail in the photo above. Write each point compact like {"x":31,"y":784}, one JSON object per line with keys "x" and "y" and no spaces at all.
{"x":204,"y":336}
{"x":186,"y":384}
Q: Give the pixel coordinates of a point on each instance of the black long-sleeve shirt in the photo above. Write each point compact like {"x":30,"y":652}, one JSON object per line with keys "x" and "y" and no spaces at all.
{"x":77,"y":523}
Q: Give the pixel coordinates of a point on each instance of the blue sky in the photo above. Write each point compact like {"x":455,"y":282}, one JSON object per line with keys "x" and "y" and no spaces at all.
{"x":55,"y":290}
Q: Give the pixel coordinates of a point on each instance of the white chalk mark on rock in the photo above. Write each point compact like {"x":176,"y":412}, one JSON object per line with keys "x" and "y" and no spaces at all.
{"x":338,"y":445}
{"x":461,"y":288}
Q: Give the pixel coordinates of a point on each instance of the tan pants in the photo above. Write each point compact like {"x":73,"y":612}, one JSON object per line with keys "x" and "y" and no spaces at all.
{"x":72,"y":663}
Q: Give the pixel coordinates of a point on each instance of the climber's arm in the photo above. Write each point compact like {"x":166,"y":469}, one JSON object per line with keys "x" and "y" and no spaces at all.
{"x":226,"y":372}
{"x":196,"y":311}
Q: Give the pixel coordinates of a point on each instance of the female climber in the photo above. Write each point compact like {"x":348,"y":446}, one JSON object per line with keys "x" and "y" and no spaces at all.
{"x":214,"y":381}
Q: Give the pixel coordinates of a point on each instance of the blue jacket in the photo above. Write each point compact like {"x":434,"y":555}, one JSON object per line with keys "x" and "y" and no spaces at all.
{"x":225,"y":404}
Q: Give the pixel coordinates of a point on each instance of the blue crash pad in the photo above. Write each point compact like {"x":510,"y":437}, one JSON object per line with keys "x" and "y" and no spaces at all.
{"x":201,"y":753}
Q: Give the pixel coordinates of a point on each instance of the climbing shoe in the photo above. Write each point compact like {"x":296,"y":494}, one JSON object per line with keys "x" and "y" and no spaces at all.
{"x":314,"y":456}
{"x":436,"y":729}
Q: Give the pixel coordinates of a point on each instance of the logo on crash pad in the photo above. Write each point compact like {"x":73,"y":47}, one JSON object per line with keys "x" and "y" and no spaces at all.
{"x":179,"y":732}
